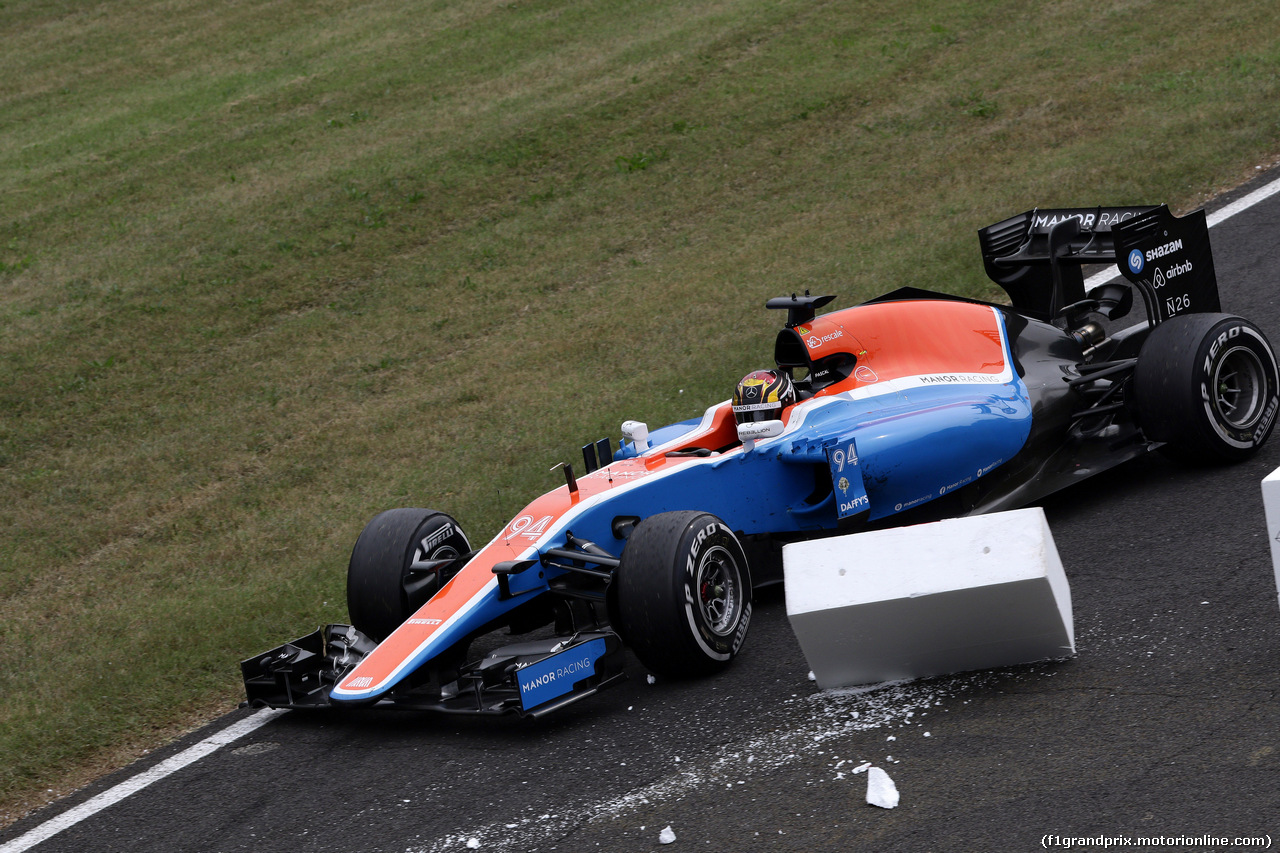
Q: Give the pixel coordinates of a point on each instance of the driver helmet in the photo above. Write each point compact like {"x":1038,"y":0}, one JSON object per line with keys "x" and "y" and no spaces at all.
{"x":762,"y":395}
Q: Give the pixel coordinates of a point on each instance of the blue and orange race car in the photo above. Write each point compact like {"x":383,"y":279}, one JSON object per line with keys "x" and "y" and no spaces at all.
{"x":908,"y":408}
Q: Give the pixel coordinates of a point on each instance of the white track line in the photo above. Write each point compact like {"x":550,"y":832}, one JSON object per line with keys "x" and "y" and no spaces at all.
{"x":238,"y":730}
{"x":1255,"y":197}
{"x":1245,"y":203}
{"x":114,"y":795}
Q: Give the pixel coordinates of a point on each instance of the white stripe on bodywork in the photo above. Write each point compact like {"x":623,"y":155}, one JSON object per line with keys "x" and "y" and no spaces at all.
{"x":894,"y":386}
{"x":374,"y":689}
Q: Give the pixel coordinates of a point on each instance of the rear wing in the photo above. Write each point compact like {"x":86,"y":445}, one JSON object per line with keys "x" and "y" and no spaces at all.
{"x":1037,"y":258}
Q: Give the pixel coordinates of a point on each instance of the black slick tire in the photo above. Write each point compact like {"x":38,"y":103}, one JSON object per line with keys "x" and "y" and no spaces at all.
{"x":383,"y":586}
{"x":1206,"y":385}
{"x":683,"y":594}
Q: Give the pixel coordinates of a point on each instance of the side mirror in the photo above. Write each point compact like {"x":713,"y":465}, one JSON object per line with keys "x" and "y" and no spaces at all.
{"x":637,"y":431}
{"x":749,"y":433}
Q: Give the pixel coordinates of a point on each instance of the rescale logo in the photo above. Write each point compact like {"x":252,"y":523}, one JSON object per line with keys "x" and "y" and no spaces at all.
{"x":814,"y":341}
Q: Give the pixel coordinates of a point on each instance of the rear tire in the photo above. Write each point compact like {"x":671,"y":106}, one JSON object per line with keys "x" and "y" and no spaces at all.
{"x":1207,"y":386}
{"x":683,"y":593}
{"x":383,"y":588}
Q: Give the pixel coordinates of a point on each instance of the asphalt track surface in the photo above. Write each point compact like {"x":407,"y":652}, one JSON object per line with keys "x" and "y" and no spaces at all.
{"x":1165,"y":725}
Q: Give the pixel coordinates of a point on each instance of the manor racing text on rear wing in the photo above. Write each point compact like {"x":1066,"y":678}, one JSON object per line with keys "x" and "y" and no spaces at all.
{"x":1037,"y":258}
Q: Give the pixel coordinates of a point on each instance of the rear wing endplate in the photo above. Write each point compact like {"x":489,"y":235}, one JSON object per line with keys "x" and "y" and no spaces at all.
{"x":1037,"y":258}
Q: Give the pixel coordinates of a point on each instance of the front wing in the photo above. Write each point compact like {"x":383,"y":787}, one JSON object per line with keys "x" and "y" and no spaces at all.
{"x":528,"y":679}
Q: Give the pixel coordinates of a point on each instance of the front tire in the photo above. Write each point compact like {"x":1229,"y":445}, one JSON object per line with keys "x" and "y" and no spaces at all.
{"x":1207,"y":386}
{"x":383,"y":586}
{"x":684,"y":593}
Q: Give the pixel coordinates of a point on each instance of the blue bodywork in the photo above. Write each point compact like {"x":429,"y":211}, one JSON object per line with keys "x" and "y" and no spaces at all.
{"x":899,"y":450}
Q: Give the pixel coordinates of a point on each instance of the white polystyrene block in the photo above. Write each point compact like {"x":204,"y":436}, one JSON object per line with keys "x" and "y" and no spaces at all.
{"x":913,"y":602}
{"x":1271,"y":503}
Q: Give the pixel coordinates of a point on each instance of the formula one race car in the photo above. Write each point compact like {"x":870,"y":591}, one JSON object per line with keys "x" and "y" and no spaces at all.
{"x":908,"y":408}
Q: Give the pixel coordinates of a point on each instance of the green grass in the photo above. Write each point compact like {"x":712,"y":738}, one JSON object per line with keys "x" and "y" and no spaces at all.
{"x":267,"y":269}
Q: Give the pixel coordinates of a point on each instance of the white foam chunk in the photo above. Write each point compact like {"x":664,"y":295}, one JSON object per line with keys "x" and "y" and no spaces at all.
{"x":931,"y":599}
{"x":880,"y":789}
{"x":1271,"y":503}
